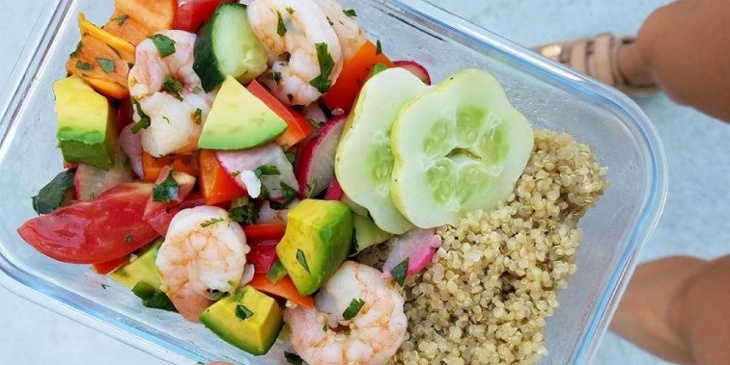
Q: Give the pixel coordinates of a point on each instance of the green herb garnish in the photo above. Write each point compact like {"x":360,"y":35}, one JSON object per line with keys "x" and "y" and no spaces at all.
{"x":350,"y":12}
{"x":173,"y":87}
{"x":165,"y":45}
{"x":246,"y":213}
{"x":290,"y":10}
{"x":314,"y":123}
{"x":399,"y":272}
{"x":266,"y":170}
{"x":57,"y":192}
{"x":293,"y":359}
{"x":198,"y":116}
{"x":353,"y":309}
{"x":274,"y":76}
{"x":104,"y":286}
{"x":84,"y":66}
{"x":310,"y":188}
{"x":378,"y":68}
{"x":128,"y":239}
{"x":197,"y":90}
{"x":378,"y":47}
{"x":153,"y":298}
{"x":302,"y":260}
{"x":167,"y":190}
{"x":121,"y":19}
{"x":289,"y":195}
{"x":211,"y":222}
{"x":144,"y":119}
{"x":280,"y":27}
{"x":276,"y":272}
{"x":326,"y":65}
{"x":290,"y":97}
{"x":243,"y":313}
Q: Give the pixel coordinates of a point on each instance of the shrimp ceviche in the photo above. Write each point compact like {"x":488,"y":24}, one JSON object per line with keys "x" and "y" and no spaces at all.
{"x":267,"y":171}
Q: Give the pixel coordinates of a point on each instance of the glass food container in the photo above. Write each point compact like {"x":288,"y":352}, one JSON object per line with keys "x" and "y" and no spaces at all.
{"x":550,"y":95}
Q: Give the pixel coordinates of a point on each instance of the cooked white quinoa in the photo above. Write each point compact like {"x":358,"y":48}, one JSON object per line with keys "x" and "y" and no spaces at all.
{"x":496,"y":277}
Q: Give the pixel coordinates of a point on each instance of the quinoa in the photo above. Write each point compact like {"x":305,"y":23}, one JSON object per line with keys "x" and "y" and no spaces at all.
{"x":496,"y":277}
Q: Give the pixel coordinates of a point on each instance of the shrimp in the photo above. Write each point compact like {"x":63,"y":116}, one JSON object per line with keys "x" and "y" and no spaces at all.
{"x":322,"y":336}
{"x":348,"y":30}
{"x":296,"y":33}
{"x":168,"y":92}
{"x":203,"y":255}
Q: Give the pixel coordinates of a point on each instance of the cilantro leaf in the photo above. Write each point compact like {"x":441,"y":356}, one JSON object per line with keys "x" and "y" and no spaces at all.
{"x":144,"y":119}
{"x":122,"y":19}
{"x":153,"y":298}
{"x":84,"y":66}
{"x":165,"y":45}
{"x":55,"y":193}
{"x":106,"y":64}
{"x":243,"y":313}
{"x":326,"y":65}
{"x":280,"y":27}
{"x":211,"y":222}
{"x":245,"y":214}
{"x":350,"y":12}
{"x":353,"y":309}
{"x":266,"y":170}
{"x":289,"y":195}
{"x":399,"y":272}
{"x":167,"y":190}
{"x":302,"y":260}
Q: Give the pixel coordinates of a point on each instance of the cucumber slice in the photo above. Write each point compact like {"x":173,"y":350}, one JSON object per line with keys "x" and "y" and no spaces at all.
{"x":363,"y":161}
{"x":226,"y":45}
{"x":458,"y":148}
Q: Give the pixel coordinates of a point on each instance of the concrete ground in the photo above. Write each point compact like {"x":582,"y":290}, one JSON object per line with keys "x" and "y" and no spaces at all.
{"x":694,"y":221}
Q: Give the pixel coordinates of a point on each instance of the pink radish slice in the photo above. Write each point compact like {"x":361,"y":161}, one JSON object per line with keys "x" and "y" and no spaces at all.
{"x":418,"y":246}
{"x":90,"y":182}
{"x":131,"y":145}
{"x":334,"y":191}
{"x":267,"y":214}
{"x":314,"y":112}
{"x":242,"y":165}
{"x":315,"y":164}
{"x":416,"y":69}
{"x":185,"y":182}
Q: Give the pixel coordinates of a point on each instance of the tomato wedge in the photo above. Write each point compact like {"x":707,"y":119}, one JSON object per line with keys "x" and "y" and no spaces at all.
{"x":104,"y":268}
{"x":298,"y":127}
{"x":101,"y":230}
{"x":283,"y":288}
{"x":264,"y":232}
{"x":192,"y":14}
{"x":161,"y":216}
{"x":262,"y":255}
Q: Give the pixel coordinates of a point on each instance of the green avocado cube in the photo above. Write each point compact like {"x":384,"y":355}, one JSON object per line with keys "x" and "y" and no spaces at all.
{"x":86,"y":124}
{"x":247,"y":319}
{"x":317,"y":240}
{"x":141,"y":270}
{"x":239,"y":120}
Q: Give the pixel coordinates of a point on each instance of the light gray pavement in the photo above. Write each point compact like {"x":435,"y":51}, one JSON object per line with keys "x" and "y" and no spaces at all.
{"x":694,"y":223}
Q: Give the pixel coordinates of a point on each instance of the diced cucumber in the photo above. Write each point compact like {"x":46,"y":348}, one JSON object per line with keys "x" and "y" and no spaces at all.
{"x":366,"y":234}
{"x":458,"y":148}
{"x":364,"y":161}
{"x":226,"y":45}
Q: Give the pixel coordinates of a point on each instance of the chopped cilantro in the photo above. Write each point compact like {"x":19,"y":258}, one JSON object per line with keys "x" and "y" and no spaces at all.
{"x":128,"y":239}
{"x":315,"y":123}
{"x":153,"y":298}
{"x":293,"y":359}
{"x":198,"y":116}
{"x":197,"y":90}
{"x":350,"y":12}
{"x":243,"y":313}
{"x":290,"y":97}
{"x":399,"y":272}
{"x":165,"y":45}
{"x":173,"y":86}
{"x":276,"y":272}
{"x":310,"y":188}
{"x":211,"y":222}
{"x":353,"y":309}
{"x":326,"y":65}
{"x":167,"y":190}
{"x":166,"y":119}
{"x":57,"y":192}
{"x":266,"y":170}
{"x":144,"y":119}
{"x":290,"y":10}
{"x":244,"y":214}
{"x":84,"y":66}
{"x":378,"y":47}
{"x":122,"y":19}
{"x":291,"y":157}
{"x":274,"y":76}
{"x":280,"y":27}
{"x":289,"y":195}
{"x":104,"y":286}
{"x":302,"y":260}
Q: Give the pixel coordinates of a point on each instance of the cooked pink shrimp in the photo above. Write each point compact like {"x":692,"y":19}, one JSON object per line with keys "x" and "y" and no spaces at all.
{"x":322,"y":335}
{"x":304,"y":46}
{"x":169,"y":92}
{"x":204,"y":253}
{"x":348,"y":30}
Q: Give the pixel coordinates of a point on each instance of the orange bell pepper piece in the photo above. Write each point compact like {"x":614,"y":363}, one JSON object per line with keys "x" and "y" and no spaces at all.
{"x":353,"y":76}
{"x":283,"y":288}
{"x":151,"y":166}
{"x":216,"y":184}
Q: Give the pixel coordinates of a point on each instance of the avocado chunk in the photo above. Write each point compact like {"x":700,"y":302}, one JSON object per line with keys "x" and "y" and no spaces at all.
{"x":367,"y":234}
{"x":86,"y":124}
{"x":140,"y":270}
{"x":248,"y":319}
{"x":239,"y":120}
{"x":317,"y":240}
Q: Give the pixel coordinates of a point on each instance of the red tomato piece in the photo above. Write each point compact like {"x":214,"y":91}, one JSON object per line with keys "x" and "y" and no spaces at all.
{"x":216,"y":185}
{"x":262,"y":255}
{"x":104,"y":268}
{"x":161,"y":216}
{"x":192,"y":14}
{"x":101,"y":230}
{"x":185,"y":183}
{"x":264,"y":232}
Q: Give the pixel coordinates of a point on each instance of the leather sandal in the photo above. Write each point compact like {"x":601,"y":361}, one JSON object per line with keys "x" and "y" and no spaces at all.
{"x":596,"y":57}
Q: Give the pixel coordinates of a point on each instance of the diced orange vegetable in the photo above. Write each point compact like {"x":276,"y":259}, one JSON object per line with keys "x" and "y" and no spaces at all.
{"x":100,"y":66}
{"x":125,"y":49}
{"x":122,"y":26}
{"x":104,"y":268}
{"x":264,"y":232}
{"x":151,"y":166}
{"x":216,"y":184}
{"x":298,"y":127}
{"x":353,"y":76}
{"x":283,"y":288}
{"x":157,"y":15}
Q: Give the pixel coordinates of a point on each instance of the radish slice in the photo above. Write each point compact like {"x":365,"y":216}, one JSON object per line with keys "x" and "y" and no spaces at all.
{"x":131,"y":145}
{"x":185,"y":182}
{"x":313,"y":112}
{"x":418,"y":246}
{"x":315,"y":165}
{"x":334,"y":191}
{"x":267,"y":214}
{"x":90,"y":182}
{"x":243,"y":164}
{"x":416,"y":69}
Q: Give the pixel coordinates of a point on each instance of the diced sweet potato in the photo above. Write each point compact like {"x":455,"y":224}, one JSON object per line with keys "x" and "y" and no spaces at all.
{"x":126,"y":27}
{"x":101,"y":66}
{"x":156,"y":15}
{"x":125,"y":49}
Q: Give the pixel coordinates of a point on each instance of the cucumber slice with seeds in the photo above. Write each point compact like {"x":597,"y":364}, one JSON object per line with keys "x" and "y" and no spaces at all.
{"x":364,"y":162}
{"x":458,"y":148}
{"x":226,"y":45}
